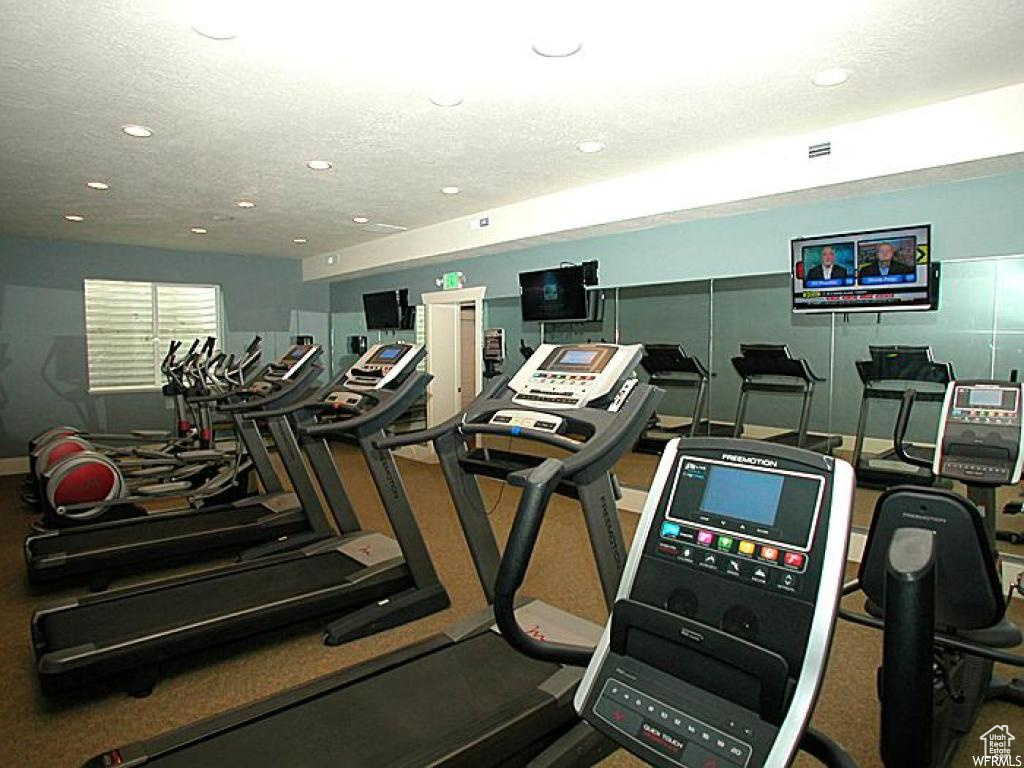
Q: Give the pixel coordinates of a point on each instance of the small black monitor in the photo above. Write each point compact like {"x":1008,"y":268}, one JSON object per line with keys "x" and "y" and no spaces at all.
{"x":383,"y":311}
{"x":550,"y":295}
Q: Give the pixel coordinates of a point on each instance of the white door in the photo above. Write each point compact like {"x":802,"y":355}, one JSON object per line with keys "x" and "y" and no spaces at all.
{"x":467,"y":355}
{"x":443,"y":399}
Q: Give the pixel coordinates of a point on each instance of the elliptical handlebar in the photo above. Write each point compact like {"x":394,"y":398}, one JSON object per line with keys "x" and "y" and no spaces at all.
{"x":900,"y":431}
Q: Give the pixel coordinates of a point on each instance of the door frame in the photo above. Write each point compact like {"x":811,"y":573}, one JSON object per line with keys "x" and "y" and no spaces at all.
{"x":460,"y":298}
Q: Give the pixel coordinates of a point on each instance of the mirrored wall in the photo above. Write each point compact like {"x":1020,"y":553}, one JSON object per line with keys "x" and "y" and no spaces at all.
{"x":979,"y":328}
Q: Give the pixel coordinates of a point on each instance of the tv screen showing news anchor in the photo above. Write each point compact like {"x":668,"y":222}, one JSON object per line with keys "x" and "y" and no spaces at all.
{"x":889,"y":260}
{"x":828,"y":265}
{"x":877,"y":270}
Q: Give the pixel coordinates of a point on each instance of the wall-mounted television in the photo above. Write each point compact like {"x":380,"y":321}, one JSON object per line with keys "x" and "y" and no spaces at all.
{"x":551,"y":295}
{"x":388,"y":310}
{"x":880,"y":270}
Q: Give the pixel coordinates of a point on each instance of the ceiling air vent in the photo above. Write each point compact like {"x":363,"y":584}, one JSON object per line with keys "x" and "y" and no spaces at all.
{"x":824,"y":149}
{"x":382,"y":229}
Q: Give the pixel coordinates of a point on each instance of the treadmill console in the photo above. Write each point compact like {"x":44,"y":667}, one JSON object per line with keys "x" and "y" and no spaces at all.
{"x":284,"y":369}
{"x":716,"y":648}
{"x":295,"y":359}
{"x":382,"y":364}
{"x":980,"y":433}
{"x":567,"y":376}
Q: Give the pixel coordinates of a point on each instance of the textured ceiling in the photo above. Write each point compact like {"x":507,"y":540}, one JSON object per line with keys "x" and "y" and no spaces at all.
{"x":349,"y":82}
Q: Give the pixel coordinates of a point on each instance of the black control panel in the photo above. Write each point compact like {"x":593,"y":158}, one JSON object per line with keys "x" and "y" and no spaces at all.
{"x":744,"y":523}
{"x":718,"y":641}
{"x":979,"y":440}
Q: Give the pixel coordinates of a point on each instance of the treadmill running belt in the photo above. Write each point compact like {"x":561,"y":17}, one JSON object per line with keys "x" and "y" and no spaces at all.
{"x":152,"y":529}
{"x":110,"y":621}
{"x":409,"y":715}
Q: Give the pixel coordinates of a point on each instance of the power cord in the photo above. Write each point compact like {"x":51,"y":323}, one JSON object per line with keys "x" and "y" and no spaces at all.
{"x":504,"y":483}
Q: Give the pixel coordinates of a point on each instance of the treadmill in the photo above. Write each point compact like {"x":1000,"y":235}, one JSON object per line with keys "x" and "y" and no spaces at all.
{"x":771,"y":369}
{"x":102,"y":550}
{"x":365,"y":580}
{"x":886,"y":375}
{"x":463,"y":697}
{"x":669,"y":367}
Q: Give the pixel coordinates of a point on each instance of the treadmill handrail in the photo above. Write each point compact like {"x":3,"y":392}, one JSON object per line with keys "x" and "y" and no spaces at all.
{"x":536,"y":435}
{"x":431,"y":434}
{"x":314,"y":399}
{"x":281,"y":390}
{"x":900,"y":432}
{"x":403,"y":396}
{"x":774,"y":367}
{"x":599,"y":445}
{"x":540,"y":483}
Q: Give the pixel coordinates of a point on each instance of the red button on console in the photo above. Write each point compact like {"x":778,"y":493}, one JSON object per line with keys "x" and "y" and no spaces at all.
{"x":794,"y":559}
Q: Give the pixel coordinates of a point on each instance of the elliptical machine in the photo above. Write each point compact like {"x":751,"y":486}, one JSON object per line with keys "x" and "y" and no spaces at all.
{"x":135,"y":459}
{"x":930,"y":574}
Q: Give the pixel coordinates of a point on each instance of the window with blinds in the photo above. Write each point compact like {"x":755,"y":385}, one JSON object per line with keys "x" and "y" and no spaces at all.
{"x":128,"y":326}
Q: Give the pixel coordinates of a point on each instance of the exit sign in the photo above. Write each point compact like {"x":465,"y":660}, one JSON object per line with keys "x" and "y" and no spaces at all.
{"x":452,"y":281}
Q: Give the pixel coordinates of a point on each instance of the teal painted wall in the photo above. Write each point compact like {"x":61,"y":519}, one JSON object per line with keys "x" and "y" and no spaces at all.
{"x":969,"y":219}
{"x":42,"y":325}
{"x":664,"y":294}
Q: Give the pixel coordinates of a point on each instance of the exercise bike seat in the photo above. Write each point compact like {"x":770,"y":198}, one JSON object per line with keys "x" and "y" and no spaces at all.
{"x":968,"y":592}
{"x":1005,"y":634}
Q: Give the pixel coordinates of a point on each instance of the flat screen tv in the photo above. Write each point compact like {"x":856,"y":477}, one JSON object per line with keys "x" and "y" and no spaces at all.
{"x":881,"y":270}
{"x":551,"y":295}
{"x":384,"y":310}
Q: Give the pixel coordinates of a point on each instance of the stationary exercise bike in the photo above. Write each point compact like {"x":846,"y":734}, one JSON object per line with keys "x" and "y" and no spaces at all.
{"x":930,"y":576}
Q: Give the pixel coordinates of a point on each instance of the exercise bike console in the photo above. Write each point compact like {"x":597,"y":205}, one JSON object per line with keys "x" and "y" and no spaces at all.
{"x":979,"y":439}
{"x":717,"y":644}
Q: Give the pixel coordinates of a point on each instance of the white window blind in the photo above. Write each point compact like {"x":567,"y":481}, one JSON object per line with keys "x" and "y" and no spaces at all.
{"x":128,"y":326}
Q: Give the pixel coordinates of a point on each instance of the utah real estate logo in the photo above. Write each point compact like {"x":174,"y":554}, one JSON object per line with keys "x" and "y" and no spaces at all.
{"x":998,"y":748}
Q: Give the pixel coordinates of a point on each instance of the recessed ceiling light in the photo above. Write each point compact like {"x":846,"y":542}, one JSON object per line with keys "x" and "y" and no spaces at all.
{"x":451,"y":190}
{"x":829,"y":77}
{"x":446,"y":99}
{"x":300,"y":240}
{"x":319,"y":165}
{"x":97,"y":185}
{"x":74,"y":217}
{"x":198,"y":230}
{"x":245,"y":204}
{"x":137,"y":131}
{"x":360,"y":219}
{"x":216,"y":19}
{"x":590,"y":147}
{"x":557,"y":46}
